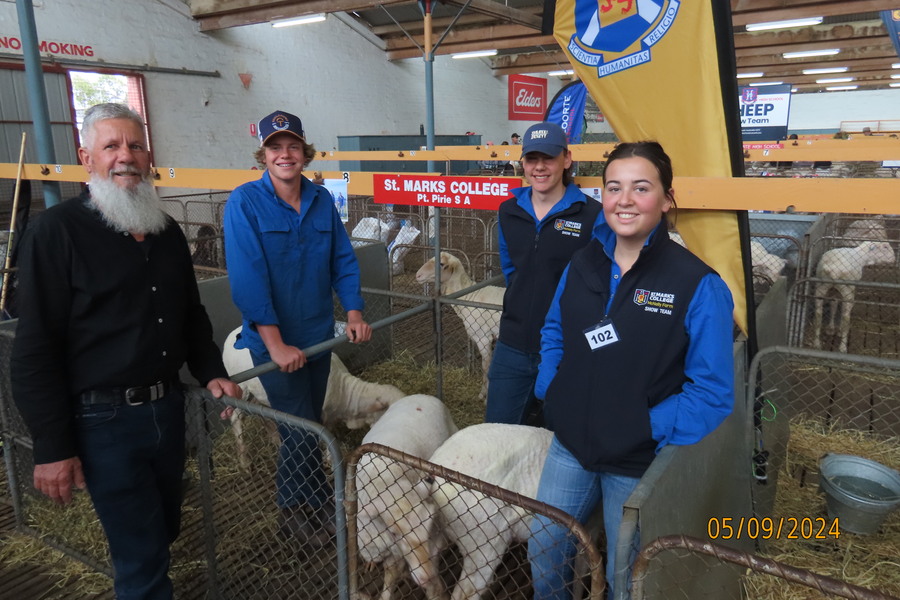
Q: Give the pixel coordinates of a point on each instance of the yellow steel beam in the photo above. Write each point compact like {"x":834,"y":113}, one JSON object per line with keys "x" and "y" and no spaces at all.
{"x":812,"y":194}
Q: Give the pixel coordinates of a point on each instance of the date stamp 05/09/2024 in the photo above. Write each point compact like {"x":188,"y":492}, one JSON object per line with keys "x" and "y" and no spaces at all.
{"x":773,"y":528}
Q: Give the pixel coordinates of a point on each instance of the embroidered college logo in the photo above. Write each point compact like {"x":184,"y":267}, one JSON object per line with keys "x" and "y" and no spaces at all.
{"x":641,"y":296}
{"x":614,"y":35}
{"x":558,"y":224}
{"x":280,"y":122}
{"x":749,"y":94}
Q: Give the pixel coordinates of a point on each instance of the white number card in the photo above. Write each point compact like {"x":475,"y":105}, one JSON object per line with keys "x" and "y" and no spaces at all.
{"x":601,"y":334}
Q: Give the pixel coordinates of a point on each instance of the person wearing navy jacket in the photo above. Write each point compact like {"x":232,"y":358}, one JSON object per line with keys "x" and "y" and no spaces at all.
{"x":540,"y":228}
{"x":287,"y":249}
{"x":636,"y":354}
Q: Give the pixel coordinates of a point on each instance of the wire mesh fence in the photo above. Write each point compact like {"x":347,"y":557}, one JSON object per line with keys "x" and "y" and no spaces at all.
{"x":811,"y":404}
{"x":461,"y":535}
{"x":674,"y":550}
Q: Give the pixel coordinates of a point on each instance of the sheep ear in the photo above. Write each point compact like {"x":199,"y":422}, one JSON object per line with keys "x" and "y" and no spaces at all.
{"x":377,"y":406}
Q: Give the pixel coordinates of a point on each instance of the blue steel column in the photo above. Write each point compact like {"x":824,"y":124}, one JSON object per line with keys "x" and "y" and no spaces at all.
{"x":37,"y":96}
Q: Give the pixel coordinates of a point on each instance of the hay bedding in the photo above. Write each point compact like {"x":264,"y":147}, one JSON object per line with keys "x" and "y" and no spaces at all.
{"x":871,"y":561}
{"x":252,"y":562}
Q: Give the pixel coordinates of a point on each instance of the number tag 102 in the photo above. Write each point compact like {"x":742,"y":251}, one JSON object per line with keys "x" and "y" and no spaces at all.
{"x":600,"y":335}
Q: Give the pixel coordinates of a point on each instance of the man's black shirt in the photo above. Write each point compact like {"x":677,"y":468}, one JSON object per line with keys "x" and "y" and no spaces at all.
{"x":97,"y":309}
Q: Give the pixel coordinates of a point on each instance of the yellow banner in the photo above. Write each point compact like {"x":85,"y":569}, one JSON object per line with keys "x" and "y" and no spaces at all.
{"x":652,"y":68}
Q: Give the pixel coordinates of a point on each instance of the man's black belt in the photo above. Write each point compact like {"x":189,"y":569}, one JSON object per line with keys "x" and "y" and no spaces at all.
{"x":133,"y":396}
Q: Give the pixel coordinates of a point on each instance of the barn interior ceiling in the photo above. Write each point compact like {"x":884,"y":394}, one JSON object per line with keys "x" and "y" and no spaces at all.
{"x":513,"y":28}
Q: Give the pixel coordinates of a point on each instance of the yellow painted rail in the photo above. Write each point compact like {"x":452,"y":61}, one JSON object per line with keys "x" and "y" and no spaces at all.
{"x":814,"y":194}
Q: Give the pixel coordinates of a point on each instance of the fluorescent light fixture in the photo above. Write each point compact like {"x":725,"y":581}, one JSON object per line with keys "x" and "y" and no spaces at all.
{"x":894,"y":84}
{"x":749,"y":75}
{"x":765,"y":83}
{"x":560,"y":73}
{"x":895,"y":66}
{"x":895,"y":76}
{"x":784,"y":24}
{"x":841,"y":88}
{"x":825,"y":70}
{"x":304,"y":20}
{"x":835,"y":80}
{"x":793,"y":90}
{"x":475,"y":54}
{"x":808,"y":53}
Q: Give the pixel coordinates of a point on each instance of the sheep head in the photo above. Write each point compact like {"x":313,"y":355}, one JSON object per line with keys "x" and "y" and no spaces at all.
{"x":449,"y":265}
{"x":877,"y":253}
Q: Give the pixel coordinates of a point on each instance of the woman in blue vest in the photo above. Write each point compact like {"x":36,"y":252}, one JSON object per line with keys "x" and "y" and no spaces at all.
{"x":541,"y":226}
{"x":636,"y":353}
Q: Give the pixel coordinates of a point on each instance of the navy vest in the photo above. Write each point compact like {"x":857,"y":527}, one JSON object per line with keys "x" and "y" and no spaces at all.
{"x":598,"y":403}
{"x":539,"y":257}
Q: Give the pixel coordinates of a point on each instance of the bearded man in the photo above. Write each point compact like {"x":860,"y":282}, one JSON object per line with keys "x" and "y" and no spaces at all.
{"x":110,"y":311}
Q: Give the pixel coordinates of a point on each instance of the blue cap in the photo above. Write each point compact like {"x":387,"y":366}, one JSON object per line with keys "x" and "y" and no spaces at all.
{"x":279,"y":122}
{"x":546,"y":138}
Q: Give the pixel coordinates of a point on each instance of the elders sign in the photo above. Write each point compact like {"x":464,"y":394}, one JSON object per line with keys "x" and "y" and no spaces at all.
{"x":436,"y":190}
{"x":527,"y":98}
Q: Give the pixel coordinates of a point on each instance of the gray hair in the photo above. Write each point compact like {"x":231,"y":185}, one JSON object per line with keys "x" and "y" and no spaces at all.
{"x":102,"y":112}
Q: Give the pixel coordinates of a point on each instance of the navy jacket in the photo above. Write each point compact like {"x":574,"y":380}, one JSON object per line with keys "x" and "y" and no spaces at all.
{"x":601,"y":402}
{"x":534,"y":255}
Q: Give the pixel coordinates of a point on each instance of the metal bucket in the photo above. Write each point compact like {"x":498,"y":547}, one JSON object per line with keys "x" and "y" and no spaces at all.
{"x":859,"y":493}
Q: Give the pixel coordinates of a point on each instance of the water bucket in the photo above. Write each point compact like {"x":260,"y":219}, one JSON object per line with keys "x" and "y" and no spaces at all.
{"x":860,"y":493}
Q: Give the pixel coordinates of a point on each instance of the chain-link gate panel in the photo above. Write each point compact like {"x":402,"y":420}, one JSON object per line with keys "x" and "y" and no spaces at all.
{"x":270,"y":523}
{"x":419,"y":530}
{"x":792,"y":583}
{"x":810,"y":404}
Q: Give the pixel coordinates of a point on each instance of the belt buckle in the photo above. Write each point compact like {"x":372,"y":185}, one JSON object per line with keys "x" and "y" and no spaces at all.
{"x":130,"y":393}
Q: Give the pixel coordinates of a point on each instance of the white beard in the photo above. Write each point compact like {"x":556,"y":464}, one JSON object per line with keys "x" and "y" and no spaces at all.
{"x":137,"y":210}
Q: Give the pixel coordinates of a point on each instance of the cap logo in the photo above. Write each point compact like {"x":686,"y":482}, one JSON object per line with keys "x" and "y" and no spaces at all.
{"x":280,"y":122}
{"x":539,"y":134}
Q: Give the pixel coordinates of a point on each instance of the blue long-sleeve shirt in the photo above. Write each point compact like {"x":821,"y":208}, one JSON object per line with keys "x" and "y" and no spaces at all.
{"x":283,"y":265}
{"x":707,"y":395}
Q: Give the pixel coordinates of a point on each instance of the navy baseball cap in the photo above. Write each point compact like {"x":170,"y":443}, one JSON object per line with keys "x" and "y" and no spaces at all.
{"x":546,"y":138}
{"x":279,"y":122}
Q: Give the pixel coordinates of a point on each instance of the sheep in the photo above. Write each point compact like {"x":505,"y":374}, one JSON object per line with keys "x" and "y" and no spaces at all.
{"x":766,"y":266}
{"x":866,"y":229}
{"x":845,"y":264}
{"x":348,"y":399}
{"x":509,"y":456}
{"x":395,"y":523}
{"x":482,"y":325}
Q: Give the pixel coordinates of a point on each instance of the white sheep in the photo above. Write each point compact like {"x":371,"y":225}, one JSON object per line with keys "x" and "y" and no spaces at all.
{"x":482,"y":325}
{"x":845,"y":264}
{"x":509,"y":456}
{"x":395,"y":521}
{"x":765,"y":265}
{"x":348,"y":399}
{"x":866,"y":229}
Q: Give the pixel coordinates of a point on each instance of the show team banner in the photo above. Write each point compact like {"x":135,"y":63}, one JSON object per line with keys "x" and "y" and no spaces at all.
{"x":567,"y":110}
{"x":437,"y":190}
{"x":891,"y":20}
{"x":765,"y":112}
{"x":652,"y":67}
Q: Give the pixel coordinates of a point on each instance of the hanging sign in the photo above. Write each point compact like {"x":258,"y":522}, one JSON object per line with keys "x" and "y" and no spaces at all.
{"x":436,"y":190}
{"x":527,"y":98}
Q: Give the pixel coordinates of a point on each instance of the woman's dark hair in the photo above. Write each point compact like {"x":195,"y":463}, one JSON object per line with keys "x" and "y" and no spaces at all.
{"x":648,"y":150}
{"x":309,"y":153}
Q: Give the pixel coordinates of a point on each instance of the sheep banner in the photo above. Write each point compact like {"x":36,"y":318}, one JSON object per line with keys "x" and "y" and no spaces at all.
{"x":664,"y":70}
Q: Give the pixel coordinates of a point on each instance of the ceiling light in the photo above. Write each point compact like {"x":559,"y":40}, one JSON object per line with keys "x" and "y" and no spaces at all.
{"x":304,"y":20}
{"x":793,"y":90}
{"x":841,"y":88}
{"x":749,"y":75}
{"x":560,"y":73}
{"x":835,"y":80}
{"x":784,"y":24}
{"x":895,"y":66}
{"x":895,"y":76}
{"x":765,"y":83}
{"x":894,"y":84}
{"x":475,"y":54}
{"x":825,"y":70}
{"x":808,"y":53}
